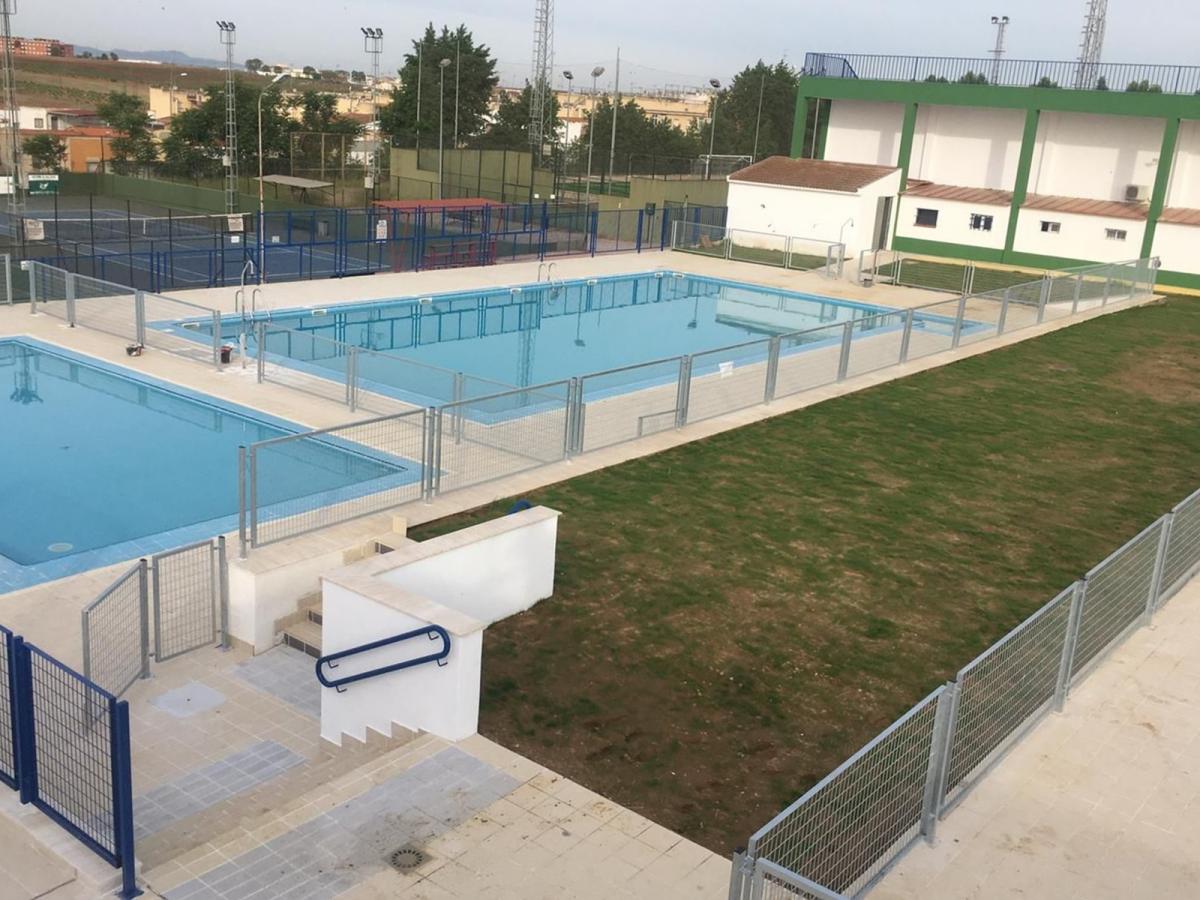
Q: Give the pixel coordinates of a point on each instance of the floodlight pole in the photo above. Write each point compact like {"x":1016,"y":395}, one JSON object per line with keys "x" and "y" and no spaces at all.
{"x":712,"y":126}
{"x":758,"y":118}
{"x":420,"y":66}
{"x":457,"y":63}
{"x":612,"y":145}
{"x":587,"y":196}
{"x":442,"y":64}
{"x":373,"y":45}
{"x":570,"y":77}
{"x":1001,"y":23}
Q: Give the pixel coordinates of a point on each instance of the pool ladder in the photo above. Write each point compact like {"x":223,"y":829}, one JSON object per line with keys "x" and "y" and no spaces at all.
{"x":555,"y":286}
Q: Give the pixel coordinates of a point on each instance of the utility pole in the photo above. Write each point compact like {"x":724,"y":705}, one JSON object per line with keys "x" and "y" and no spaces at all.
{"x":612,"y":144}
{"x":1091,"y":45}
{"x":1001,"y":23}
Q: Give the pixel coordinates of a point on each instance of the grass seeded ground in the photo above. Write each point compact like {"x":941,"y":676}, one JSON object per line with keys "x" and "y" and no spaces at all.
{"x":735,"y":617}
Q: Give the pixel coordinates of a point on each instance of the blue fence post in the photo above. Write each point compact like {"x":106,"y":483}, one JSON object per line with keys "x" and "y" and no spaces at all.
{"x":122,"y":787}
{"x":666,"y":227}
{"x":594,"y":228}
{"x":13,"y":730}
{"x":22,"y":701}
{"x":641,"y":223}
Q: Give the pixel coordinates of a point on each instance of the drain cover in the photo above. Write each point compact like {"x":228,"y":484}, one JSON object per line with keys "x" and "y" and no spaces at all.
{"x":407,"y":858}
{"x":60,"y":547}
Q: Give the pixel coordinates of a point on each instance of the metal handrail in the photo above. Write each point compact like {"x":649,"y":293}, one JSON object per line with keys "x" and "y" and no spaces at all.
{"x":433,"y":632}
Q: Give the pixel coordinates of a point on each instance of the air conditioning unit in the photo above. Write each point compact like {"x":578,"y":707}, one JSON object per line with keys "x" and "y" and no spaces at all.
{"x":1137,"y":192}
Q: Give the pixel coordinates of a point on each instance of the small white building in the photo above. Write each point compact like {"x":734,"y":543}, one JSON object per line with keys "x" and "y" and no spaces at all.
{"x":813,"y":200}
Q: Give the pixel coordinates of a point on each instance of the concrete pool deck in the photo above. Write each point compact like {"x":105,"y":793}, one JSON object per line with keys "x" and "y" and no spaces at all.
{"x":211,"y":758}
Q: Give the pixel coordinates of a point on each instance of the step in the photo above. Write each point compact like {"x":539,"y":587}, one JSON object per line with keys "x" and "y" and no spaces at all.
{"x":304,"y":635}
{"x":313,"y":613}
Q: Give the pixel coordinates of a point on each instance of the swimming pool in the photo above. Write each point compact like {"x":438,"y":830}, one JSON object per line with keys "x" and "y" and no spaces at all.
{"x":103,"y":465}
{"x":541,"y":333}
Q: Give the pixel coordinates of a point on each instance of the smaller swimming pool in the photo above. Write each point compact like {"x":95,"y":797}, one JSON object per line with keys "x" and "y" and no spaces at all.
{"x":104,"y":465}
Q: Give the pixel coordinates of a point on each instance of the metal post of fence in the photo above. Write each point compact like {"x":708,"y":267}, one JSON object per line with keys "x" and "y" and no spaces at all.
{"x":122,"y":794}
{"x":683,"y":391}
{"x":260,"y":355}
{"x":1107,"y":290}
{"x":1063,"y":686}
{"x":844,"y":358}
{"x":144,"y":612}
{"x":458,"y":392}
{"x":352,"y":378}
{"x":217,"y":343}
{"x":787,"y":252}
{"x":958,"y":321}
{"x":427,"y":463}
{"x":435,"y":474}
{"x":31,"y":268}
{"x":23,"y":738}
{"x":1003,"y":319}
{"x":8,"y":290}
{"x":242,"y":502}
{"x":1078,"y":291}
{"x":253,"y":502}
{"x":1164,"y":535}
{"x":1043,"y":296}
{"x":223,"y":592}
{"x":939,"y":760}
{"x":772,"y":369}
{"x":69,"y":291}
{"x":139,"y":317}
{"x":906,"y":337}
{"x":737,"y":872}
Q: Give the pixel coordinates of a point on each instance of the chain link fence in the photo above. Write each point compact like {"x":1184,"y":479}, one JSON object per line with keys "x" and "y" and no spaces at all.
{"x":838,"y":838}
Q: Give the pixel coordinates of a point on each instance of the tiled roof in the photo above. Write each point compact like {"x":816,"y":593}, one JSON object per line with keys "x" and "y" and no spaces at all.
{"x":1180,"y":215}
{"x":1113,"y":209}
{"x":983,"y":196}
{"x":821,"y":174}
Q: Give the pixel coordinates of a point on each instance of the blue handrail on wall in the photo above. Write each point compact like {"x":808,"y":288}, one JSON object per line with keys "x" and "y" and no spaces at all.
{"x":433,"y":632}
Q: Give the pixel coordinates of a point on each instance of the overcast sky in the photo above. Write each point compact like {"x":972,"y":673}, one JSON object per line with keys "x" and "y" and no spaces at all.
{"x":661,"y":43}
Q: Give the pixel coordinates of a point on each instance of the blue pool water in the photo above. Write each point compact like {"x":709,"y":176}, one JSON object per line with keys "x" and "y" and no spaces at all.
{"x":100,"y":465}
{"x":536,"y":334}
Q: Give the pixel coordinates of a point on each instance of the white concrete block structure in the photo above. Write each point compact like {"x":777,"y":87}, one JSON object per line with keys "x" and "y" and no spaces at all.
{"x":1026,"y":163}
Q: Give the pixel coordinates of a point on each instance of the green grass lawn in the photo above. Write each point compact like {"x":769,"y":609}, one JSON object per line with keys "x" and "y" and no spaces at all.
{"x":734,"y":617}
{"x":948,"y":276}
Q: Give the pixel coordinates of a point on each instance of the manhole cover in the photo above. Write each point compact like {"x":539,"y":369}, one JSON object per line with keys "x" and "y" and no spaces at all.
{"x":60,"y":547}
{"x":407,"y":858}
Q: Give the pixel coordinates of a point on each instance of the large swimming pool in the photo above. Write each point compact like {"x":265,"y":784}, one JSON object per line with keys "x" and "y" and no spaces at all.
{"x":541,"y":333}
{"x":102,"y":465}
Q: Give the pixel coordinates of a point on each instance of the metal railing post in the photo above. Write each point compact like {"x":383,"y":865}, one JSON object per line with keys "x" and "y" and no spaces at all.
{"x":435,"y":473}
{"x":144,"y":612}
{"x":458,"y":391}
{"x":427,"y":462}
{"x":69,"y":290}
{"x":223,"y":592}
{"x":1043,"y":296}
{"x":122,"y":793}
{"x":24,"y":742}
{"x":958,"y":321}
{"x":1107,"y":289}
{"x":1063,"y":686}
{"x":217,"y":342}
{"x":351,"y":377}
{"x":8,"y":289}
{"x":253,"y":476}
{"x":1164,"y":536}
{"x":939,"y":760}
{"x":906,"y":336}
{"x":31,"y":268}
{"x":787,"y":252}
{"x":139,"y":317}
{"x":1003,"y":320}
{"x":772,"y":369}
{"x":260,"y":361}
{"x":1078,"y":291}
{"x":242,"y":502}
{"x":683,"y":391}
{"x":844,"y":358}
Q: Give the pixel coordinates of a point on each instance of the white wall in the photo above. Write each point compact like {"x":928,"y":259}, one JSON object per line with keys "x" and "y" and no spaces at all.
{"x":953,"y":226}
{"x":1094,"y":156}
{"x":1177,"y":246}
{"x":1080,"y":237}
{"x":864,"y":132}
{"x":261,"y":594}
{"x":969,"y":147}
{"x":1184,"y":186}
{"x":461,"y":581}
{"x":807,"y":213}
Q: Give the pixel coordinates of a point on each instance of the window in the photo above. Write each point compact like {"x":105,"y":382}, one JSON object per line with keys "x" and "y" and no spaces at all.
{"x":1051,"y":227}
{"x":1115,"y":234}
{"x":927,"y":218}
{"x":39,"y":124}
{"x":980,"y":222}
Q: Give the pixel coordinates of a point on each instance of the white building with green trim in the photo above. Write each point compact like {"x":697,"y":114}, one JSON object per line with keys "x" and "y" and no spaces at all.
{"x":1045,"y":164}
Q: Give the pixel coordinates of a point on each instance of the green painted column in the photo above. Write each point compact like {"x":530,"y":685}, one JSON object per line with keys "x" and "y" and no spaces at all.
{"x":800,"y":124}
{"x":1024,"y":164}
{"x":1158,"y":199}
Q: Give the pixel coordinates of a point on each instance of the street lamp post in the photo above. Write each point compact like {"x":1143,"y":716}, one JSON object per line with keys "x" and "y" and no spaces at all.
{"x":712,"y":126}
{"x":758,"y":118}
{"x":570,"y":76}
{"x":587,"y":197}
{"x":442,"y":64}
{"x":420,"y":66}
{"x":262,"y":267}
{"x":457,"y":67}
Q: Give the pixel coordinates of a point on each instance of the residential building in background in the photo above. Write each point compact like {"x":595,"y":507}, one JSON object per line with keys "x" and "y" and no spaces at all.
{"x":22,"y":46}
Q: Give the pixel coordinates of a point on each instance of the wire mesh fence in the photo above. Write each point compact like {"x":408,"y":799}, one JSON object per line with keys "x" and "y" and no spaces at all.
{"x":115,"y":632}
{"x":8,"y":743}
{"x":841,"y":835}
{"x":190,"y":602}
{"x":766,"y":248}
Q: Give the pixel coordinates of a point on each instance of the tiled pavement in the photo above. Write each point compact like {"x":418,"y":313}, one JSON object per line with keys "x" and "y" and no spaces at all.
{"x":286,"y":673}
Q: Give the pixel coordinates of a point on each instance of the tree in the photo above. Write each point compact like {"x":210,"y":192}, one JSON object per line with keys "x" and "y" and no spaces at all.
{"x":310,"y":72}
{"x":509,"y":129}
{"x":46,"y":151}
{"x":113,"y":56}
{"x":1102,"y":83}
{"x":973,"y":78}
{"x":476,"y":80}
{"x":737,"y":112}
{"x":253,"y":64}
{"x":197,"y":139}
{"x":318,"y":113}
{"x":1046,"y":82}
{"x":642,"y":142}
{"x":129,"y":116}
{"x":358,"y":77}
{"x":1143,"y":87}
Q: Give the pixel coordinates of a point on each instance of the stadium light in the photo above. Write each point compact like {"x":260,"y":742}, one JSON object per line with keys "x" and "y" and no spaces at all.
{"x":587,"y":197}
{"x":712,"y":126}
{"x":262,"y":268}
{"x":442,"y":64}
{"x":570,"y":76}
